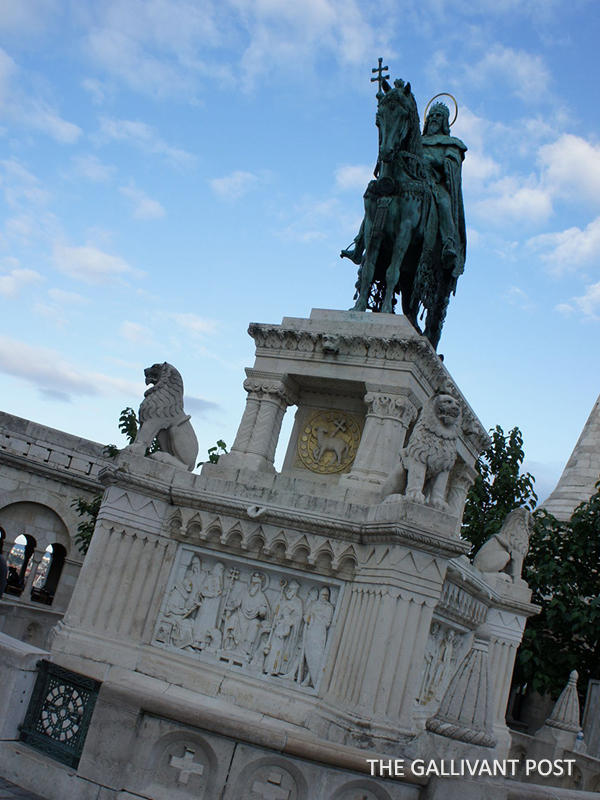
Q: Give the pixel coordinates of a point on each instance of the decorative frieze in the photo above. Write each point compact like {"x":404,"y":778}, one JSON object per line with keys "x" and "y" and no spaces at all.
{"x":243,"y":615}
{"x":457,"y":604}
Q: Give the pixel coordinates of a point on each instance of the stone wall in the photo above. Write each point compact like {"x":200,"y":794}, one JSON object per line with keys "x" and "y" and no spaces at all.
{"x":42,"y":471}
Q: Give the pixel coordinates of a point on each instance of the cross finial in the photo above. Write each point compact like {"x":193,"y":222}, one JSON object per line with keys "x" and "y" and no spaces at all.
{"x":380,"y":77}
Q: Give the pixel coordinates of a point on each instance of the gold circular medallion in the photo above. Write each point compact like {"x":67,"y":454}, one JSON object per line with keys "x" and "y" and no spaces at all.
{"x":328,"y":442}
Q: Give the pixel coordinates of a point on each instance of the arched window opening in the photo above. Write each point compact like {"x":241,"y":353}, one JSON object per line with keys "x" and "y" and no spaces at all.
{"x":19,"y":562}
{"x":48,"y":574}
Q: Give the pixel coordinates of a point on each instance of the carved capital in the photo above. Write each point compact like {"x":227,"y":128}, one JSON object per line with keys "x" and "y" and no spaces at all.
{"x":261,"y":386}
{"x":389,"y":406}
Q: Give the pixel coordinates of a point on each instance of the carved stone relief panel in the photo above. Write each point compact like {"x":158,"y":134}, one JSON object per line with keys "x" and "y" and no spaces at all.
{"x":274,"y":624}
{"x":328,"y":442}
{"x":446,"y":647}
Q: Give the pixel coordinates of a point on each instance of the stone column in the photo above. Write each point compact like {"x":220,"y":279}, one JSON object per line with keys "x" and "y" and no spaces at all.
{"x":388,"y":416}
{"x":376,"y":667}
{"x":268,"y":397}
{"x":35,"y":562}
{"x":506,"y":629}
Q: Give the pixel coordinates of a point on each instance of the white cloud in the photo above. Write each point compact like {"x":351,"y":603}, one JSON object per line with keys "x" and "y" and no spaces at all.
{"x":571,"y":167}
{"x":96,"y":90}
{"x":515,"y":200}
{"x":20,"y":185}
{"x":144,"y":206}
{"x":479,"y":168}
{"x":143,"y":136}
{"x":525,"y":74}
{"x":194,"y":323}
{"x":564,"y":309}
{"x":569,"y":249}
{"x":234,"y":185}
{"x":55,"y":377}
{"x":13,"y":282}
{"x":29,"y":18}
{"x":92,"y":266}
{"x":91,"y":168}
{"x":169,"y":48}
{"x":353,"y":176}
{"x":29,"y":109}
{"x":67,"y":298}
{"x":136,"y":333}
{"x":520,"y":299}
{"x":589,"y":302}
{"x":199,"y":406}
{"x":43,"y":367}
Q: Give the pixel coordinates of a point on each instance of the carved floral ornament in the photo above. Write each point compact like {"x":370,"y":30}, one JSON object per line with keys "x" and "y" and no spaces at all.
{"x":269,"y":623}
{"x":328,"y":442}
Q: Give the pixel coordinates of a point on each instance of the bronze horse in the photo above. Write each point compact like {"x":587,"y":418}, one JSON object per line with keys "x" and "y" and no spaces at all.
{"x":396,"y":205}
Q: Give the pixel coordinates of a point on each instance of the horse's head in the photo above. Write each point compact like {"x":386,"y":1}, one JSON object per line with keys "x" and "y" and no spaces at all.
{"x":398,"y":121}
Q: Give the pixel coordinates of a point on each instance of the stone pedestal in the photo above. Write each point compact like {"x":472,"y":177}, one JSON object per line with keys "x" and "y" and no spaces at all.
{"x":288,"y":611}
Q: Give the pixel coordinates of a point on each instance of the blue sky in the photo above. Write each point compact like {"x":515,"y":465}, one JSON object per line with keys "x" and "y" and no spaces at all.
{"x":172,"y":170}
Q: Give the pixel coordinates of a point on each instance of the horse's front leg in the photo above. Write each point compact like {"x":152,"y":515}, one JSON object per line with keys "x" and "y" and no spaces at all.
{"x":393,"y":271}
{"x":372,"y":244}
{"x":408,"y":220}
{"x":367,"y":274}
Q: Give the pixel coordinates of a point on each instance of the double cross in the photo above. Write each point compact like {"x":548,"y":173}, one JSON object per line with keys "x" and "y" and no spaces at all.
{"x":380,"y":77}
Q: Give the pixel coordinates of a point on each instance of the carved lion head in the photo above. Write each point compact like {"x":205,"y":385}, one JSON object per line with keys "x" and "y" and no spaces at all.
{"x":447,"y":410}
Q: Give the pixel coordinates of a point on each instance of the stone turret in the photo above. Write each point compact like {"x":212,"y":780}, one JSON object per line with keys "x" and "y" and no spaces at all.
{"x":579,"y":478}
{"x":466,"y":711}
{"x":562,"y":726}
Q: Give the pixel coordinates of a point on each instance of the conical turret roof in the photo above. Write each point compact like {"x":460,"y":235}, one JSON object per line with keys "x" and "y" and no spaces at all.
{"x":578,"y":481}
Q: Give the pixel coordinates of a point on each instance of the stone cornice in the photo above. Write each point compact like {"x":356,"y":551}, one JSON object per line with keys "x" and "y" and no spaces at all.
{"x":478,"y":587}
{"x":359,"y":533}
{"x":55,"y":473}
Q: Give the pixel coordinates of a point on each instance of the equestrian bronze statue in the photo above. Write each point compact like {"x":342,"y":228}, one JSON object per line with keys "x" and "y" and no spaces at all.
{"x":412,"y":240}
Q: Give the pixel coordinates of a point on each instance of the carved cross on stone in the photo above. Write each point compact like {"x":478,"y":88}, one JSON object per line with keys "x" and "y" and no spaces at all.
{"x":271,"y":790}
{"x":340,"y":425}
{"x":187,"y":766}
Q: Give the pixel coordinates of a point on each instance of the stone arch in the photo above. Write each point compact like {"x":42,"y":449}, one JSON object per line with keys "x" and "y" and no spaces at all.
{"x":183,"y":760}
{"x":301,"y":552}
{"x":60,"y":505}
{"x":274,"y":771}
{"x":35,"y":520}
{"x":256,"y":541}
{"x":368,"y":789}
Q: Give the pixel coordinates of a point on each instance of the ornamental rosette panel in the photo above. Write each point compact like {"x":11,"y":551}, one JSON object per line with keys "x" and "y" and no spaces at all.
{"x":60,"y":713}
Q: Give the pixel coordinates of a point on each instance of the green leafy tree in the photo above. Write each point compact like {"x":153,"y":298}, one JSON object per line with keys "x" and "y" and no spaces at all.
{"x":88,"y":509}
{"x":499,"y":487}
{"x":214,"y":453}
{"x":563,"y":572}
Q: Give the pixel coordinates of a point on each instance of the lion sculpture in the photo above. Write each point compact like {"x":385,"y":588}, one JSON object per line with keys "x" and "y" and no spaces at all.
{"x":162,"y":417}
{"x":504,"y":552}
{"x":426,"y":461}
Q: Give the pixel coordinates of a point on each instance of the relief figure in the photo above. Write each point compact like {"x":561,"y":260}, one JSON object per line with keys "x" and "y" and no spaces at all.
{"x":317,"y":619}
{"x":282,"y":655}
{"x":246,"y":615}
